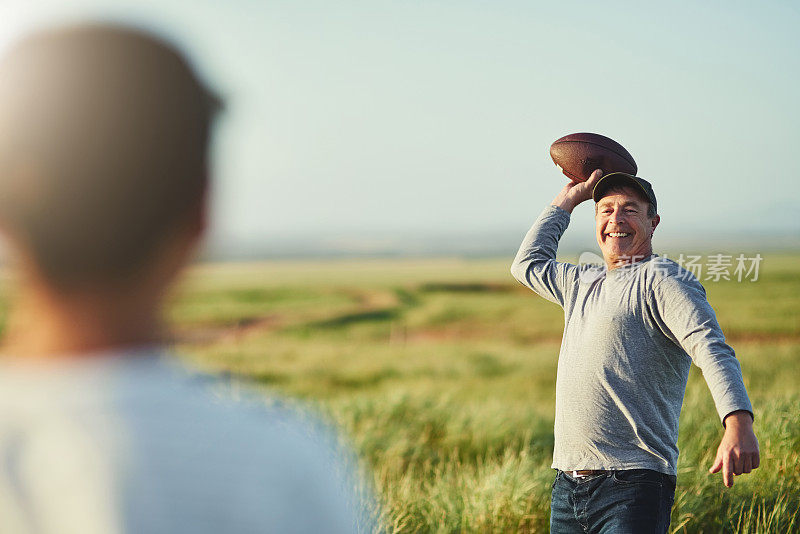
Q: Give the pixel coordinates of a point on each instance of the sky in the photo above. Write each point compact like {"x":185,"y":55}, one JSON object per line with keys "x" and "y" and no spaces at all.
{"x":424,"y":126}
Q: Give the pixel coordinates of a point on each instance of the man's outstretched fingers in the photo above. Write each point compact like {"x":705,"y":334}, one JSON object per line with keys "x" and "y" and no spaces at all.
{"x":727,"y":470}
{"x":717,"y":464}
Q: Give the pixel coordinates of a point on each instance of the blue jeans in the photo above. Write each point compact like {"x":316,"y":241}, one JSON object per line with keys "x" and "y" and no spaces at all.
{"x":635,"y":501}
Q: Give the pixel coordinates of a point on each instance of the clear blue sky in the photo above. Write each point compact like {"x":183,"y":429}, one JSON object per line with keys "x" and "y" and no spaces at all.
{"x":361,"y":123}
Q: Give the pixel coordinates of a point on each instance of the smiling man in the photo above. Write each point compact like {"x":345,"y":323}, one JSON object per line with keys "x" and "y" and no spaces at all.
{"x":626,"y":218}
{"x":632,"y":329}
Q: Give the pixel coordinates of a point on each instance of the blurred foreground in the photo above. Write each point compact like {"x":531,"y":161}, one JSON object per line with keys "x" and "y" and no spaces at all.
{"x":442,"y":375}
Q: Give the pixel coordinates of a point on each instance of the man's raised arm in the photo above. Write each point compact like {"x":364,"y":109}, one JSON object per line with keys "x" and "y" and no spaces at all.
{"x":535,"y":265}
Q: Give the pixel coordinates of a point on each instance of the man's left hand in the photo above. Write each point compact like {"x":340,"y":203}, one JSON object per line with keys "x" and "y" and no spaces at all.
{"x":738,"y":452}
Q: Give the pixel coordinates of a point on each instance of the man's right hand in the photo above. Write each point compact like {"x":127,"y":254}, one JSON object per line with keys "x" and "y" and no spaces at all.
{"x":576,"y":192}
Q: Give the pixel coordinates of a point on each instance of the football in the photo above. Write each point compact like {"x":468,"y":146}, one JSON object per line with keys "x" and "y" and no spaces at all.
{"x":578,"y":154}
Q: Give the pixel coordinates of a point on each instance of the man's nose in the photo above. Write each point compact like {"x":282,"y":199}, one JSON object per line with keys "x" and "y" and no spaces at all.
{"x":617,"y":216}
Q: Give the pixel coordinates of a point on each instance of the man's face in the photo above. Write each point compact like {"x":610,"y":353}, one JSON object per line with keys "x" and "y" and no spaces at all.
{"x":624,"y":231}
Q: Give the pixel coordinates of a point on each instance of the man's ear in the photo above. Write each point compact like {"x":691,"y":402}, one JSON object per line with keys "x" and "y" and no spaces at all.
{"x":654,"y":222}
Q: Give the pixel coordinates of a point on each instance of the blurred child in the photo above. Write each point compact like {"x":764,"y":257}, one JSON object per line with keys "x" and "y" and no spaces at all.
{"x":104,"y":135}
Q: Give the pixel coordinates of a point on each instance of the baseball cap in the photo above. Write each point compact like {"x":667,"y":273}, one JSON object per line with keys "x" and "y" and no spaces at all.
{"x":621,"y":178}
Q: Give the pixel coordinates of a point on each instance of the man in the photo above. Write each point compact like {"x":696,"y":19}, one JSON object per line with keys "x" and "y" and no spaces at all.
{"x":103,"y":187}
{"x":632,"y":329}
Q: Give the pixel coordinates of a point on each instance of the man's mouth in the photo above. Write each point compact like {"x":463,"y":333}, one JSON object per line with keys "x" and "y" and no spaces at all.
{"x":617,"y":234}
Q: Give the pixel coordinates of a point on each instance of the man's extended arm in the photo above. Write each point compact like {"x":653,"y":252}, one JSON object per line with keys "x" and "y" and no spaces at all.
{"x":690,"y":321}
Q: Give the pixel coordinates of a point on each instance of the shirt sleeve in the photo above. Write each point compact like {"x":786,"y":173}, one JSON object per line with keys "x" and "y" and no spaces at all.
{"x":687,"y":318}
{"x":535,"y":265}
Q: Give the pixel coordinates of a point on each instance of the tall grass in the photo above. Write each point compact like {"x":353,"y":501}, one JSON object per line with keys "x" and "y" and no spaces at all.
{"x":441,"y":375}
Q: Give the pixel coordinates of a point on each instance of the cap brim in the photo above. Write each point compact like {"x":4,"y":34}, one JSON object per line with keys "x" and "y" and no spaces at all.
{"x":615,"y":178}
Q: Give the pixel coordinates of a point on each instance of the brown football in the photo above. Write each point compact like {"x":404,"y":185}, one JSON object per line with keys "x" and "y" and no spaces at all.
{"x":578,"y":154}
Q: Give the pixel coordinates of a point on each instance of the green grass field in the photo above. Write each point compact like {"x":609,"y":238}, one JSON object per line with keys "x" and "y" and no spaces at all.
{"x":441,"y":375}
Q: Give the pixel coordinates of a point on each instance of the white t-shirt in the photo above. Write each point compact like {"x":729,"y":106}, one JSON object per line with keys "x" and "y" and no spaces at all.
{"x":130,"y":442}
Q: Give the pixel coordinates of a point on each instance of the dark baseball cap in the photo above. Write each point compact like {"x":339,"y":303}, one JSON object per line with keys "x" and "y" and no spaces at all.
{"x":621,"y":178}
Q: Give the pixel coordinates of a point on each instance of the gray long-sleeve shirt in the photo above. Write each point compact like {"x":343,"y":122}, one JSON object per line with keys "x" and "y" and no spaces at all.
{"x":630,"y":336}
